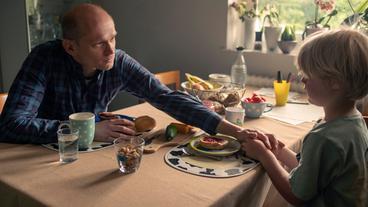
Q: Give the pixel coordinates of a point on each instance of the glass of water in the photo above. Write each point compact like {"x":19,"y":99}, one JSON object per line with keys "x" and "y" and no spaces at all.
{"x":68,"y":144}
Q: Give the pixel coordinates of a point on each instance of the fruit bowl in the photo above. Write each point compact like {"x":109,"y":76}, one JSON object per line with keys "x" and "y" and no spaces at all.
{"x":202,"y":94}
{"x":255,"y":106}
{"x":219,"y":98}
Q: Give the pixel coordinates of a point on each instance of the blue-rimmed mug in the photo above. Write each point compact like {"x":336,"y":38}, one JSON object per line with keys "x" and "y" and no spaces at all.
{"x":255,"y":110}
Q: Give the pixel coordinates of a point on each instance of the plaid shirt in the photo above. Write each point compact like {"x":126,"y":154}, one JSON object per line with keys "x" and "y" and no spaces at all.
{"x":50,"y":86}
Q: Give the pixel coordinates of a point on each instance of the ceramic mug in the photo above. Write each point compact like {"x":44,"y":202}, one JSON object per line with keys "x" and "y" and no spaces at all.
{"x":235,"y":115}
{"x":85,"y":123}
{"x":255,"y":110}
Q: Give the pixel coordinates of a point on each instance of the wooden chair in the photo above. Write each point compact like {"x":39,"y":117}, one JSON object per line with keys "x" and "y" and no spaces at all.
{"x":3,"y":97}
{"x":170,"y":78}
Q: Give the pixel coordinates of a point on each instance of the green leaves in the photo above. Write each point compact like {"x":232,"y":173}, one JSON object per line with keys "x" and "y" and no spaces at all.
{"x":362,"y":7}
{"x":322,"y":19}
{"x":289,"y":33}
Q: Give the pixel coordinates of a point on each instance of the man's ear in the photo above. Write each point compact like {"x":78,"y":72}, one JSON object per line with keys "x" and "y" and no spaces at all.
{"x":69,"y":46}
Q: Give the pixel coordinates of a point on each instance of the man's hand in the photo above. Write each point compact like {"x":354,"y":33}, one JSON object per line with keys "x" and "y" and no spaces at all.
{"x":225,"y":127}
{"x":108,"y":115}
{"x":108,"y":130}
{"x":268,"y":140}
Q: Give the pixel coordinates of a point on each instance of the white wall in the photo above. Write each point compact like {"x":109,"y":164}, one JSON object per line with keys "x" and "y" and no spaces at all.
{"x":185,"y":34}
{"x":13,"y":40}
{"x":189,"y":35}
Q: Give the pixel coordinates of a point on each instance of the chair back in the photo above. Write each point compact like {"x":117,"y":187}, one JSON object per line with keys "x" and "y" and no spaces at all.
{"x":3,"y":97}
{"x":170,"y":78}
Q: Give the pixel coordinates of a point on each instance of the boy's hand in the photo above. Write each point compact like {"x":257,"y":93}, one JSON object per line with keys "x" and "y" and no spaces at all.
{"x":268,"y":140}
{"x":275,"y":143}
{"x":255,"y":149}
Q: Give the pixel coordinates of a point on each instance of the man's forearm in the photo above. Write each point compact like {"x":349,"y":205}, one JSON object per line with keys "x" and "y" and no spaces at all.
{"x":225,"y":127}
{"x":27,"y":130}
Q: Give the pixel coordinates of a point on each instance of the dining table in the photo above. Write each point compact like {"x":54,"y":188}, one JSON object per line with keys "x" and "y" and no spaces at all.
{"x":31,"y":175}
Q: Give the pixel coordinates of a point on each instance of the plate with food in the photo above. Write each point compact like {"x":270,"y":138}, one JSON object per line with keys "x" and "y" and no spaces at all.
{"x":218,"y":145}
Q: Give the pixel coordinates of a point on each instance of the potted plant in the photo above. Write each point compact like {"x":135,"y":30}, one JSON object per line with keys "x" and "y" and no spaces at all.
{"x":320,"y":23}
{"x":271,"y":26}
{"x":288,"y":39}
{"x":248,"y":16}
{"x":359,"y":19}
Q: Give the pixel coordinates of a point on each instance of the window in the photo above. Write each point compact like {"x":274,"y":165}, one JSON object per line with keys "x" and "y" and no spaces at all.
{"x":297,"y":12}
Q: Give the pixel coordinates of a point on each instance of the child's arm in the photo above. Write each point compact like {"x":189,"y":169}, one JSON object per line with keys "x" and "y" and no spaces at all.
{"x":286,"y":157}
{"x":284,"y":154}
{"x":279,"y":176}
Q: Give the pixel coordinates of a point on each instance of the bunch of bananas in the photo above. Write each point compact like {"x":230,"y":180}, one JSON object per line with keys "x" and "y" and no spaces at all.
{"x":196,"y":82}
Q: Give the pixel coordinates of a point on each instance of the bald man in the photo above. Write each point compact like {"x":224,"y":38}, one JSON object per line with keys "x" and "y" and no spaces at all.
{"x":84,"y":72}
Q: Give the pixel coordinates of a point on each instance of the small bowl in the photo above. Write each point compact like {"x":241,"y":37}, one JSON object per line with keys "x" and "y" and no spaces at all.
{"x":202,"y":94}
{"x":255,"y":110}
{"x":287,"y":46}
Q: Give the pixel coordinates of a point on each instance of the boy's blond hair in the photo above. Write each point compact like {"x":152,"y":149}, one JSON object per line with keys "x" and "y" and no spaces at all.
{"x":340,"y":55}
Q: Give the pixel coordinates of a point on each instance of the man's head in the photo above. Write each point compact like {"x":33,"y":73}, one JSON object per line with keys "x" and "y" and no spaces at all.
{"x":89,"y":36}
{"x":340,"y":59}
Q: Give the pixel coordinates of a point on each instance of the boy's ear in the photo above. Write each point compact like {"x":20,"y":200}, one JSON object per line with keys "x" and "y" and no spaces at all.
{"x":69,"y":46}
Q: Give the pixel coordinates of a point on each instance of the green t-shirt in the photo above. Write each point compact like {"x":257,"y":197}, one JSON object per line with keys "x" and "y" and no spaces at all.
{"x":333,"y":169}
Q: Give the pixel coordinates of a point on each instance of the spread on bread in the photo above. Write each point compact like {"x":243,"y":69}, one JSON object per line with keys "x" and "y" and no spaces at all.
{"x":213,"y":143}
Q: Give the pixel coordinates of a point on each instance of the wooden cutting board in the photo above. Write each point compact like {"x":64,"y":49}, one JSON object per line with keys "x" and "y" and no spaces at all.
{"x":156,"y":140}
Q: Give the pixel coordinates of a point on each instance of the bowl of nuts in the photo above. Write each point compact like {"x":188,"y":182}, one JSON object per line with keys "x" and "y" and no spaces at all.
{"x":129,"y":152}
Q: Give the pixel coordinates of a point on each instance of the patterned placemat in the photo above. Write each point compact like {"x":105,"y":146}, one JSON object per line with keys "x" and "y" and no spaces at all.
{"x":229,"y":166}
{"x":94,"y":146}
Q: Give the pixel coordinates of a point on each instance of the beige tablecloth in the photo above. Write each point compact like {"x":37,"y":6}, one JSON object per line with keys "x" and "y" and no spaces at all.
{"x":31,"y":175}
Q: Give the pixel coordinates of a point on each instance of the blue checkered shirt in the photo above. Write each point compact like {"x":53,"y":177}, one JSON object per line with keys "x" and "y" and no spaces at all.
{"x":50,"y":86}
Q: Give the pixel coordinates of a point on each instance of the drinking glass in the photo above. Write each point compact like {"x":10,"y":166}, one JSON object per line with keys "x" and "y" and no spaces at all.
{"x":129,"y":152}
{"x":281,"y":92}
{"x":68,"y":144}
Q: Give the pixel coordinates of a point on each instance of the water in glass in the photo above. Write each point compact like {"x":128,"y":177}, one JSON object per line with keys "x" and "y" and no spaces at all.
{"x":68,"y":147}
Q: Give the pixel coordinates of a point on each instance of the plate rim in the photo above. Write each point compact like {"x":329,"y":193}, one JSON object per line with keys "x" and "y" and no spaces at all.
{"x":177,"y":162}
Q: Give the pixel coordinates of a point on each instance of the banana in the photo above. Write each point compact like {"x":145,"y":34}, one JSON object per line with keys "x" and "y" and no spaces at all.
{"x":195,"y":79}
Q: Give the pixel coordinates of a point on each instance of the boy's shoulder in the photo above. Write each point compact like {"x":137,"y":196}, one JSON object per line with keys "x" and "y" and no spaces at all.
{"x":342,"y":125}
{"x":341,"y":132}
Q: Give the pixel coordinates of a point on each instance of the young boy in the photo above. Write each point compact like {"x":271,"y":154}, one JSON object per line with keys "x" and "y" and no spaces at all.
{"x":333,"y":165}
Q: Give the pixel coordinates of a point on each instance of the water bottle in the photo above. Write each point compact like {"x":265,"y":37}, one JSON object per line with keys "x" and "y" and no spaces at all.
{"x":239,"y":69}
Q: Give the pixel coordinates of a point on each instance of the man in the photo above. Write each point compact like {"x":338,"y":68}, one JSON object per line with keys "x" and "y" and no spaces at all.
{"x":84,"y":72}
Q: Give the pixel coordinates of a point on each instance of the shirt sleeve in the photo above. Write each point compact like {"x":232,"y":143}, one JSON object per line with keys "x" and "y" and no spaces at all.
{"x":318,"y":166}
{"x":179,"y":105}
{"x":18,"y":121}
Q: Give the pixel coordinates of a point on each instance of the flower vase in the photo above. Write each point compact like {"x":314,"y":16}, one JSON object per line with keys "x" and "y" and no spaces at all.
{"x":249,"y":33}
{"x":272,"y":35}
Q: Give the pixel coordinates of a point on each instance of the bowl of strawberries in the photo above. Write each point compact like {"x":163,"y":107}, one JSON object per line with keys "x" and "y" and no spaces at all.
{"x":255,"y":106}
